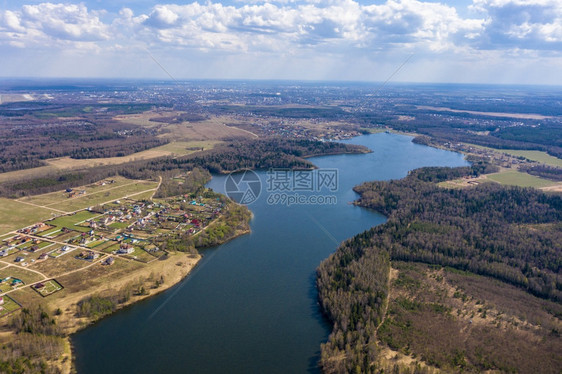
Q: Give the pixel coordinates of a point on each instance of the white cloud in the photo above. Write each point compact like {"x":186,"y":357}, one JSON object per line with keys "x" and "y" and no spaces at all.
{"x":49,"y":24}
{"x":277,"y":25}
{"x":328,"y":24}
{"x":529,"y":24}
{"x":307,"y":32}
{"x":162,"y":17}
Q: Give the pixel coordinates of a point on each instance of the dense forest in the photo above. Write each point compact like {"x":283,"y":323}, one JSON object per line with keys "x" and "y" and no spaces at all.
{"x":485,"y":131}
{"x":509,"y":233}
{"x":258,"y":154}
{"x":270,"y":153}
{"x":41,"y":131}
{"x":544,"y":171}
{"x":38,"y":340}
{"x":193,"y":183}
{"x":327,"y":112}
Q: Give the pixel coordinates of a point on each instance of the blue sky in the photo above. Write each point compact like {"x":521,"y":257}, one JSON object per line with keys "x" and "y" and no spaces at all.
{"x":476,"y":41}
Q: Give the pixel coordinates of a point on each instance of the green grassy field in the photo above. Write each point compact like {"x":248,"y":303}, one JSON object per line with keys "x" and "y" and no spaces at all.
{"x":108,"y":246}
{"x":58,"y":197}
{"x":537,"y":156}
{"x":8,"y":307}
{"x":50,"y":233}
{"x":144,"y":195}
{"x":516,"y":178}
{"x":83,"y":202}
{"x":140,"y":255}
{"x":119,"y":225}
{"x":71,"y":220}
{"x":50,"y":287}
{"x":5,"y":236}
{"x":95,"y":194}
{"x":96,"y":243}
{"x":15,"y":215}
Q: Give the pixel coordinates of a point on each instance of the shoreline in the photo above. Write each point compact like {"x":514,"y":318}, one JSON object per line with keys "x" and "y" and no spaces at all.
{"x":184,"y":271}
{"x":84,"y":322}
{"x":129,"y":283}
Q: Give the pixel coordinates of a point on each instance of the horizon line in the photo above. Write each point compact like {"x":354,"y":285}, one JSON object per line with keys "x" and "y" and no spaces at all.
{"x":280,"y":80}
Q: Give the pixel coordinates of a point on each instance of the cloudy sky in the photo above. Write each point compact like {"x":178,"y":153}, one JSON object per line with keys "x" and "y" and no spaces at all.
{"x":468,"y":41}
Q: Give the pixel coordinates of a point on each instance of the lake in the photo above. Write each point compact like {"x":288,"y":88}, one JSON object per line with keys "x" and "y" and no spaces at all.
{"x":250,"y":306}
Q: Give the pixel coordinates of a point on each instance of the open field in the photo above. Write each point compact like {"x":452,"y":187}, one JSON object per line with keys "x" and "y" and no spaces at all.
{"x":37,"y":208}
{"x":371,"y":130}
{"x":463,"y":182}
{"x":455,"y":320}
{"x":210,"y":129}
{"x":491,"y":114}
{"x":516,"y":178}
{"x":180,"y":148}
{"x":58,"y":197}
{"x":55,"y":267}
{"x":94,"y":195}
{"x":98,"y":198}
{"x":8,"y":307}
{"x":508,"y":177}
{"x":174,"y":148}
{"x":98,"y":277}
{"x":71,"y":220}
{"x":143,"y":119}
{"x":554,"y":188}
{"x":141,"y":256}
{"x":144,"y":195}
{"x":5,"y":236}
{"x":37,"y":172}
{"x":537,"y":156}
{"x":15,"y":215}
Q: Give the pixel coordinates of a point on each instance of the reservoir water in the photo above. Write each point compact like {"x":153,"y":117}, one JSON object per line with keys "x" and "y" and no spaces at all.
{"x":250,"y":305}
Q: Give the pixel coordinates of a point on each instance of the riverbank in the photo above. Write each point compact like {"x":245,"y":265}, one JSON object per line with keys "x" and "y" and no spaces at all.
{"x":176,"y":268}
{"x":171,"y":270}
{"x":99,"y":291}
{"x":372,"y":310}
{"x":255,"y":294}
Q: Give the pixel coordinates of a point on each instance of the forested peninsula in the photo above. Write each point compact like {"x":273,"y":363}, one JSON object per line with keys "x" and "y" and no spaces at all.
{"x":509,"y":234}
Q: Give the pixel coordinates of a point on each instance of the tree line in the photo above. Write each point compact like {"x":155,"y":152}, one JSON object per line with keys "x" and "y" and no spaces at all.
{"x":36,"y":345}
{"x":512,"y":234}
{"x":44,"y":131}
{"x":242,"y":154}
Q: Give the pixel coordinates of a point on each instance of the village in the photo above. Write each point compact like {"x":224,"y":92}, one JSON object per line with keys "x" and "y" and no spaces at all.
{"x":127,"y":230}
